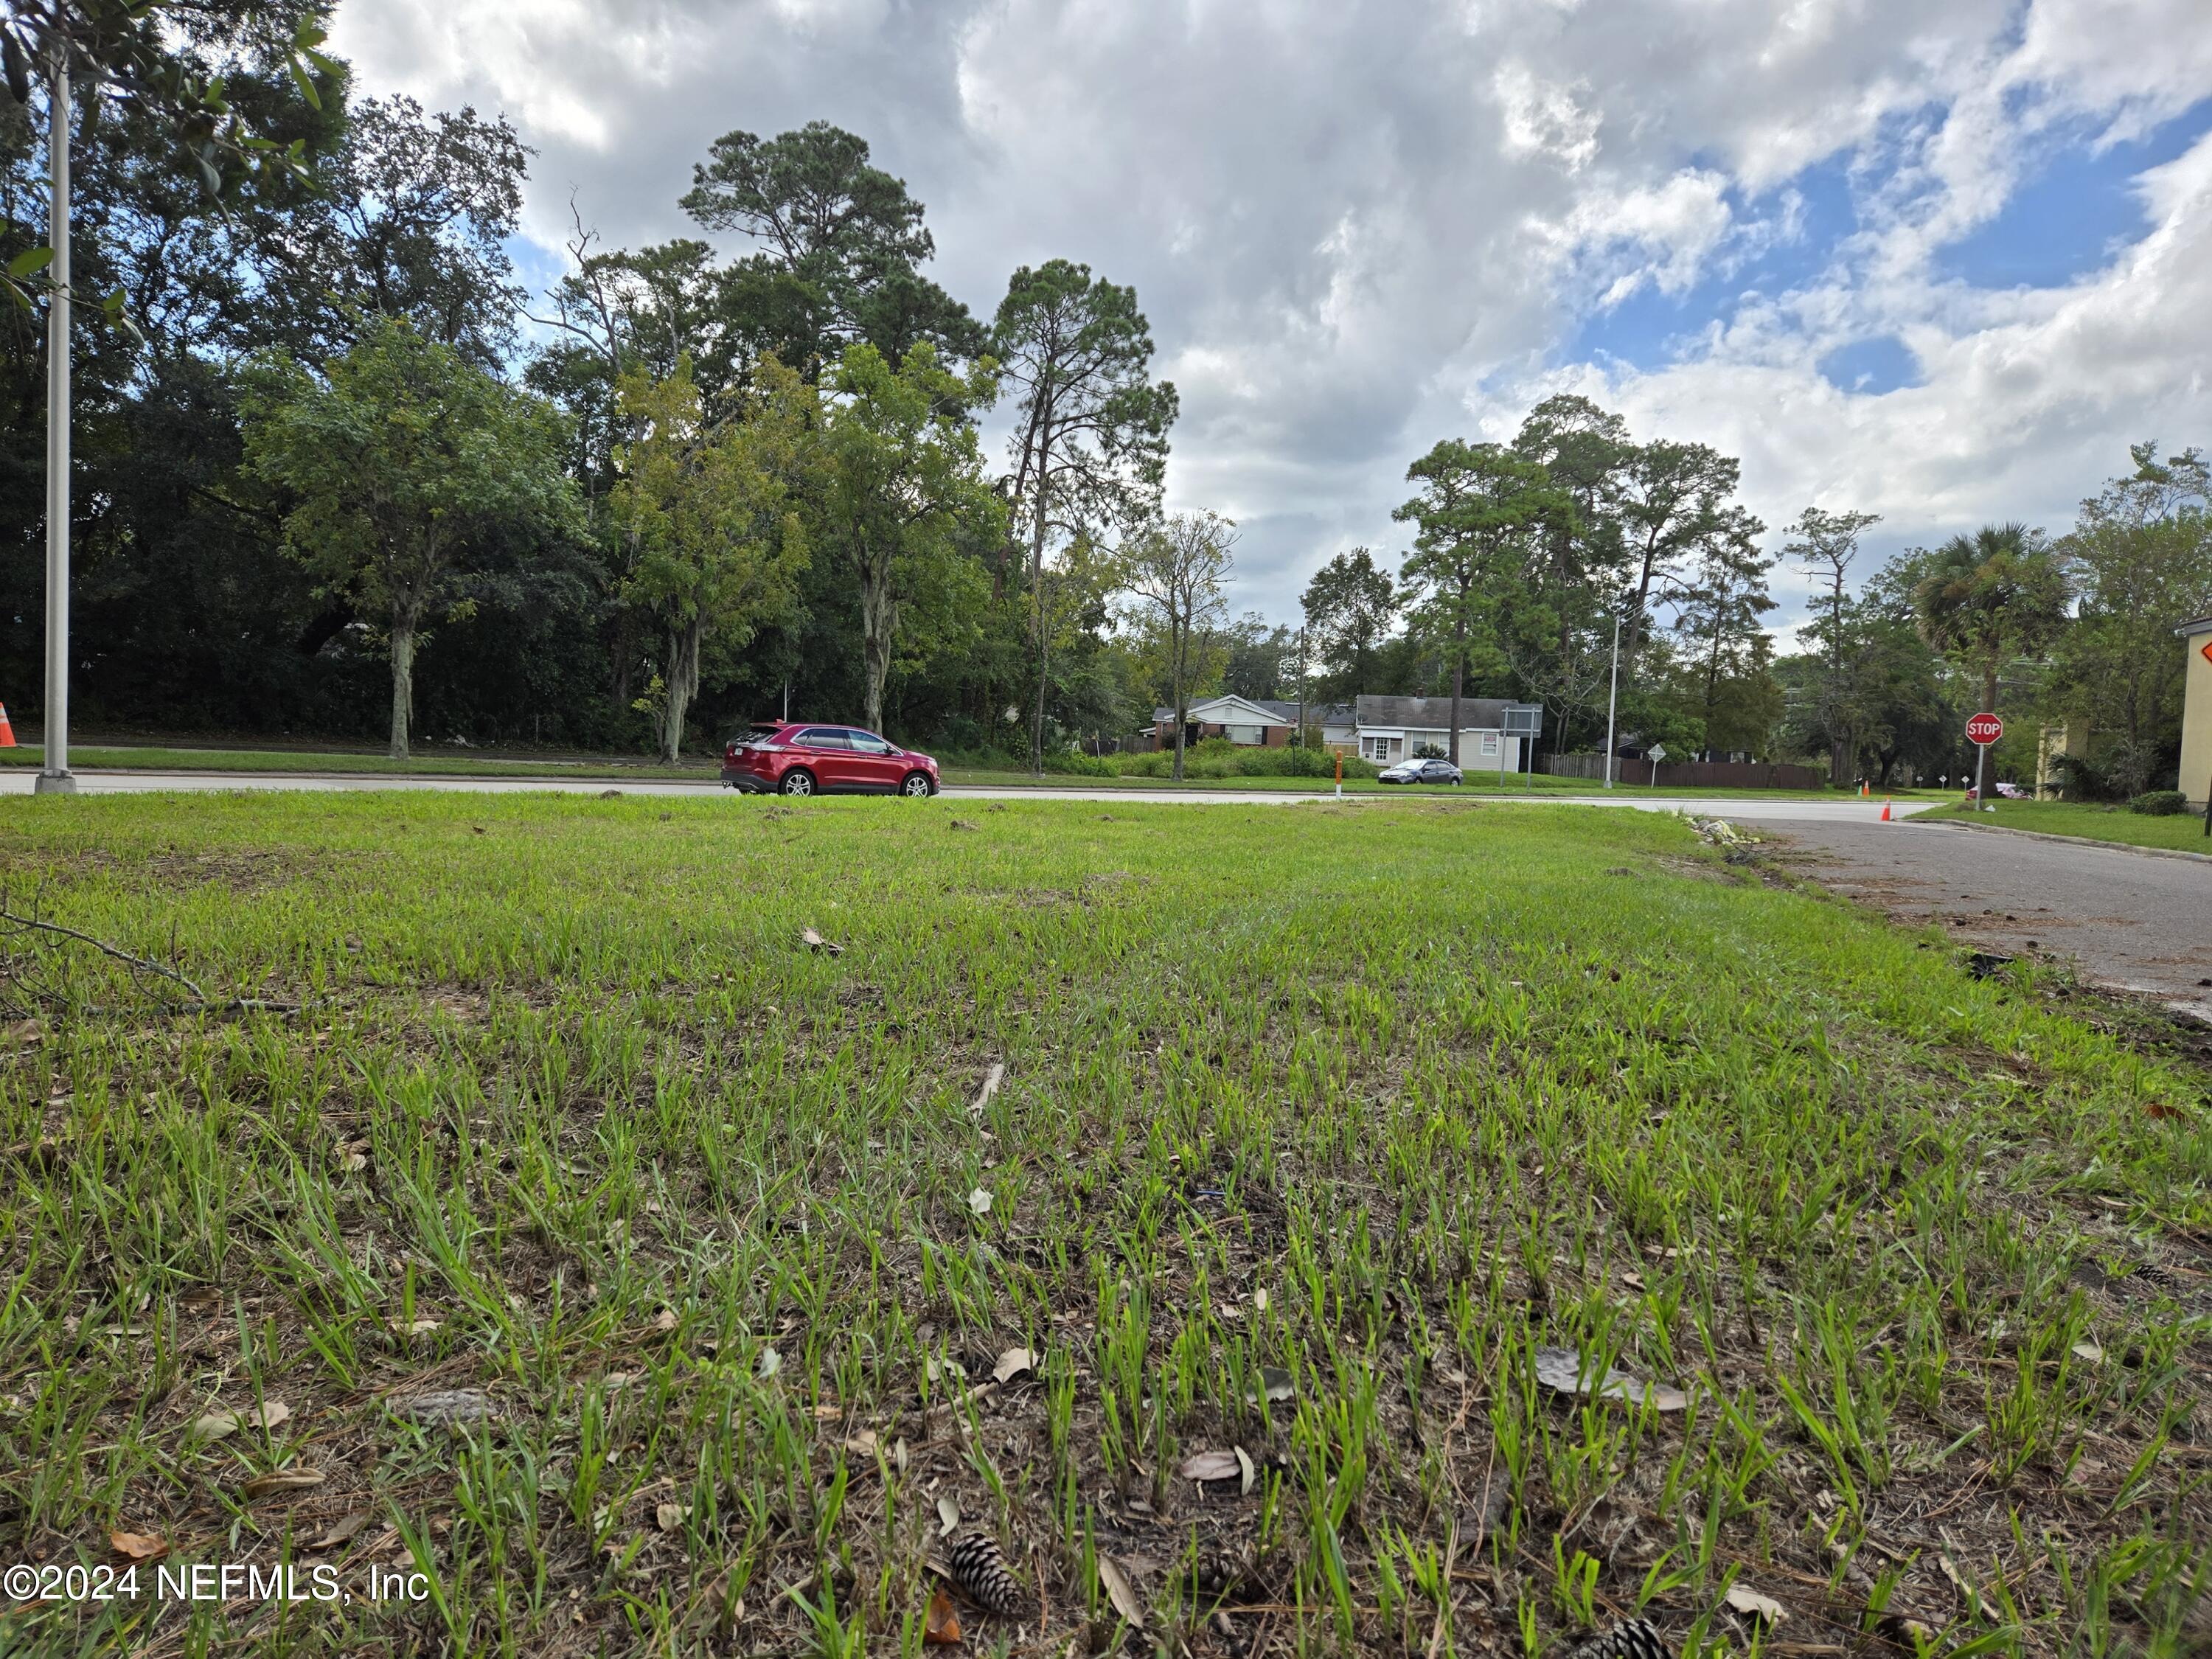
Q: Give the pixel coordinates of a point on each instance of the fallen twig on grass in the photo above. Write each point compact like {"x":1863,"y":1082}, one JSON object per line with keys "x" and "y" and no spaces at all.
{"x":17,"y":920}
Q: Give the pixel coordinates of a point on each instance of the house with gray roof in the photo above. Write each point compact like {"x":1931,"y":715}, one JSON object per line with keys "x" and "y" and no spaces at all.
{"x":1494,"y":735}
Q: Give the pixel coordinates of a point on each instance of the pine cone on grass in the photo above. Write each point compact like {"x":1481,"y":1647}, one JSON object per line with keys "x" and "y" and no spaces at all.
{"x":979,"y":1568}
{"x":1633,"y":1638}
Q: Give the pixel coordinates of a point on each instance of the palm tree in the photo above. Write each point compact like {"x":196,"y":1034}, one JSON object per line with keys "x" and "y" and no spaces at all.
{"x":1987,"y":598}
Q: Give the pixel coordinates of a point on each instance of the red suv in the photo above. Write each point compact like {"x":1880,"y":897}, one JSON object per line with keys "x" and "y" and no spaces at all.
{"x":786,"y":757}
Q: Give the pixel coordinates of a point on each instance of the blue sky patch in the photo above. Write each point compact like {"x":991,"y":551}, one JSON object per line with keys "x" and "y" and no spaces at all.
{"x":1871,"y":366}
{"x":2074,"y":209}
{"x":1650,"y":329}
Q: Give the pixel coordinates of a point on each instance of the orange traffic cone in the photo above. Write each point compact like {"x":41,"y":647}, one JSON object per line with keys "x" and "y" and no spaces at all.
{"x":6,"y":732}
{"x":1885,"y":809}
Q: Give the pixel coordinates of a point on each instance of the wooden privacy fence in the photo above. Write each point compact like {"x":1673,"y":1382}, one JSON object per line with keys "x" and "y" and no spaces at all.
{"x":1689,"y":774}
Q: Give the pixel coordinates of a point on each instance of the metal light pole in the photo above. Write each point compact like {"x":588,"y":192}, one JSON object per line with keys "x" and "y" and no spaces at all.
{"x":54,"y":776}
{"x":1612,"y":698}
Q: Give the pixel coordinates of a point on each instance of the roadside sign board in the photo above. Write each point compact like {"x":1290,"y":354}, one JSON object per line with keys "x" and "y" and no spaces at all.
{"x":1984,"y":729}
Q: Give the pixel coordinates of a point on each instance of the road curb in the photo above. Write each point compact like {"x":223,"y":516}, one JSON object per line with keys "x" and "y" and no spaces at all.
{"x":2071,"y":841}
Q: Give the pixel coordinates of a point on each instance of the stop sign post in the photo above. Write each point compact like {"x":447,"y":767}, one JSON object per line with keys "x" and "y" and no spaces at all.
{"x":1982,"y":731}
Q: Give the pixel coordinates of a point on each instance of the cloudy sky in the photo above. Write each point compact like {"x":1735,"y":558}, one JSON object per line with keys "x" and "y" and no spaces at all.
{"x":1940,"y":261}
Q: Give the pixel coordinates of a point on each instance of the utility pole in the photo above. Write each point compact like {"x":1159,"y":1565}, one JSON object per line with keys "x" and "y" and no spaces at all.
{"x":1612,"y":698}
{"x":54,"y":775}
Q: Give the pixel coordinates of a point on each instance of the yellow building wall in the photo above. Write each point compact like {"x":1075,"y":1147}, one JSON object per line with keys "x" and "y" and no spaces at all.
{"x":2196,"y":722}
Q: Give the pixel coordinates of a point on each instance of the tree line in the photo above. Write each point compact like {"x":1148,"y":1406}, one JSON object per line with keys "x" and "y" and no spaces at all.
{"x":1579,"y":569}
{"x":339,"y":473}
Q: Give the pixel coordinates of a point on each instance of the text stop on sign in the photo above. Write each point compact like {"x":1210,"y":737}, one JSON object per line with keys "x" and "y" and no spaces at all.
{"x":1984,"y":729}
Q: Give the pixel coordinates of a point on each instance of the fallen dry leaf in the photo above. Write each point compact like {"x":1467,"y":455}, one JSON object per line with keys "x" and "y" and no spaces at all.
{"x":814,"y":941}
{"x":339,"y":1531}
{"x":980,"y":1201}
{"x":1275,"y":1382}
{"x":941,"y":1626}
{"x":1260,"y":1299}
{"x":1564,"y":1371}
{"x":1121,"y":1592}
{"x":771,"y":1362}
{"x":2090,"y":1352}
{"x":948,"y":1514}
{"x":1753,"y":1605}
{"x":138,"y":1546}
{"x":1012,"y":1364}
{"x":412,"y":1327}
{"x":862,"y":1444}
{"x":670,"y":1517}
{"x":1245,"y":1469}
{"x":263,"y":1486}
{"x":1211,"y":1466}
{"x":664,"y":1319}
{"x":216,"y":1424}
{"x":444,"y":1406}
{"x":992,"y":1079}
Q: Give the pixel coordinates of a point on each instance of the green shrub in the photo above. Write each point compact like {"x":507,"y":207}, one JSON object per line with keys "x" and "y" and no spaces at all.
{"x":1071,"y":763}
{"x":1301,"y":764}
{"x":1217,"y":758}
{"x":2159,"y":803}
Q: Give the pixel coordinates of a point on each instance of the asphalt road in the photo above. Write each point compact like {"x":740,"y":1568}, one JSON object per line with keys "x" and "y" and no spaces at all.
{"x":2128,"y":920}
{"x":19,"y":781}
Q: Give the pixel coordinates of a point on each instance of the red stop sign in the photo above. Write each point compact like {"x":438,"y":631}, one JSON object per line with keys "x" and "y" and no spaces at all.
{"x":1984,"y":729}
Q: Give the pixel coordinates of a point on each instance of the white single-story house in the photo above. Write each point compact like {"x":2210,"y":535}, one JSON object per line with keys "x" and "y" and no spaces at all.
{"x":1494,"y":735}
{"x":1252,"y":722}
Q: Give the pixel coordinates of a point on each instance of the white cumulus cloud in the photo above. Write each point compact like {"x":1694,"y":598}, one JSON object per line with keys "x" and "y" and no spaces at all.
{"x":1359,"y":229}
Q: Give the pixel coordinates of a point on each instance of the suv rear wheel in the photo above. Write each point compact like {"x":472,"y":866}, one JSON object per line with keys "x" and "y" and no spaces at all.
{"x":917,"y":784}
{"x":796,"y":782}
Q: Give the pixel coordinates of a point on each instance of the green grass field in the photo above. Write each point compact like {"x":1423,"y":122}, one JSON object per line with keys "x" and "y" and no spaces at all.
{"x":2184,"y":832}
{"x":531,"y":1208}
